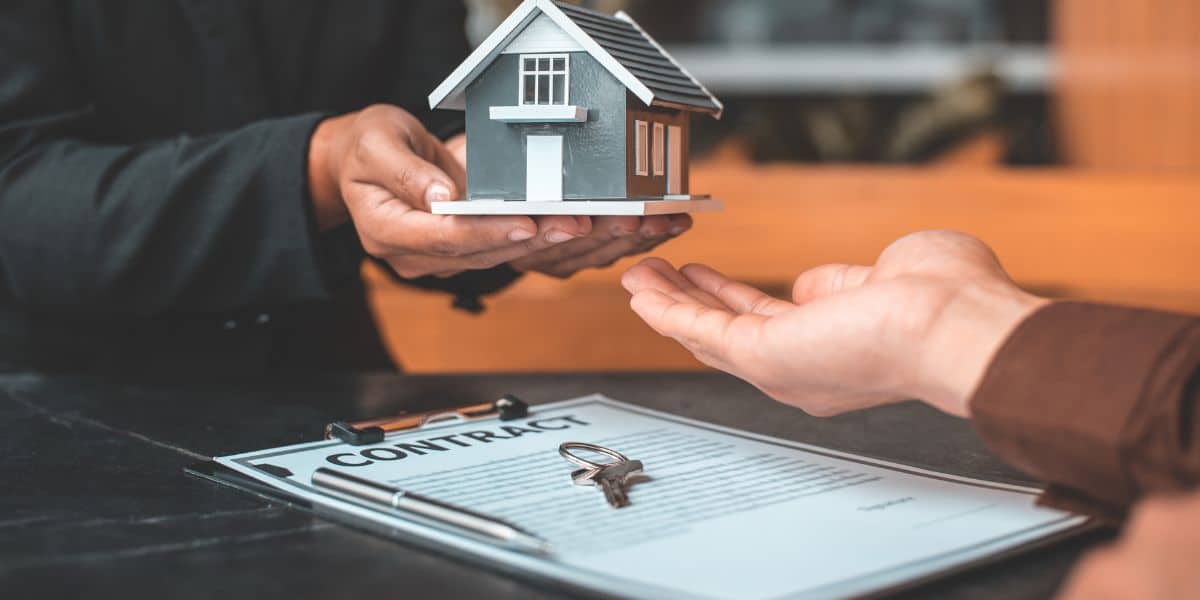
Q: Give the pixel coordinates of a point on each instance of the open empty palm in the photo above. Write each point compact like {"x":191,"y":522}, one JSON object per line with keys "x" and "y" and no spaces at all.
{"x":922,"y":322}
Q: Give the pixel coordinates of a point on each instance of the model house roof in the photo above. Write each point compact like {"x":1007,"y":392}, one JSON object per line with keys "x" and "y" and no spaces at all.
{"x":615,"y":41}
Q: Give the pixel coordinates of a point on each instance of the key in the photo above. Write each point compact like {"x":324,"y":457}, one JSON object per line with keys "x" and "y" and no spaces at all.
{"x":613,"y":479}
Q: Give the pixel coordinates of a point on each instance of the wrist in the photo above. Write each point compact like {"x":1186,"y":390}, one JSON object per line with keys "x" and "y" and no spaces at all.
{"x":323,"y":187}
{"x":964,"y":336}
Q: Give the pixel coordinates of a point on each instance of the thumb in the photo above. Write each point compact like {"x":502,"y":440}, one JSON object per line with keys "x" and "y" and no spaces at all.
{"x":396,"y":167}
{"x":444,"y":158}
{"x":827,"y":280}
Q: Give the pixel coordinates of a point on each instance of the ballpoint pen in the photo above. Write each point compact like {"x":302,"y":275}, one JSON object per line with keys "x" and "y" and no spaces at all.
{"x":451,"y":517}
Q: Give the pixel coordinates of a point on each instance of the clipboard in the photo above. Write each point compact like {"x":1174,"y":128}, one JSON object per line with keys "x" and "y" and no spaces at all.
{"x":510,"y":408}
{"x":222,"y":475}
{"x":505,"y":408}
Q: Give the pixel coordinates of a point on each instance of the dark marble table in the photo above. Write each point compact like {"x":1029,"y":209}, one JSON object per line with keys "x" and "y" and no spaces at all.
{"x":94,"y":500}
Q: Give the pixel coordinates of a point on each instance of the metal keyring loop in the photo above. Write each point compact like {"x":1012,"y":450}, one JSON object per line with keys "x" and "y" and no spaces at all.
{"x":566,"y":447}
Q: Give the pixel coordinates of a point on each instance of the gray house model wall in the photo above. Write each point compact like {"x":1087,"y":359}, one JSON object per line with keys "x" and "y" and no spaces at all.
{"x":594,"y":152}
{"x":563,"y":104}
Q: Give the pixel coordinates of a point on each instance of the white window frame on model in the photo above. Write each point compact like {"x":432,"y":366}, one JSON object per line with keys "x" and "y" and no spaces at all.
{"x":641,"y":139}
{"x":658,"y":147}
{"x":545,"y":71}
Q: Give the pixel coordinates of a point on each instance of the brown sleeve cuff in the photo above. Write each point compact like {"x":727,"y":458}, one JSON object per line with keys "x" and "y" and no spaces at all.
{"x":1096,"y":400}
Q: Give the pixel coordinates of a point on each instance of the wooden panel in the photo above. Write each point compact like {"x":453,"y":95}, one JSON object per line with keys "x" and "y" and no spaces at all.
{"x":1107,"y":237}
{"x":1129,"y":86}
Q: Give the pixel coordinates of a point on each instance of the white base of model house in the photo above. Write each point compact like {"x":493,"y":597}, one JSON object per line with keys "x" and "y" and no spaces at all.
{"x":665,"y":206}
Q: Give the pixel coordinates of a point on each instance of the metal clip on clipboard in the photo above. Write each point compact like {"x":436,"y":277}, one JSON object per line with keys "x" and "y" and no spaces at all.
{"x":361,"y":433}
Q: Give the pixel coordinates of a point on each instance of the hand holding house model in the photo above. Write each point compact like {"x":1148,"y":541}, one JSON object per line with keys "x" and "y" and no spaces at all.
{"x":571,"y":111}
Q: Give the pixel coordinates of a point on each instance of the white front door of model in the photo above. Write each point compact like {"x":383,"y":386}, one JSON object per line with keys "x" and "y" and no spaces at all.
{"x":544,"y":168}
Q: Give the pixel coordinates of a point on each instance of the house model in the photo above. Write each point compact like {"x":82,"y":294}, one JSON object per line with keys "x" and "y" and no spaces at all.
{"x":572,"y":111}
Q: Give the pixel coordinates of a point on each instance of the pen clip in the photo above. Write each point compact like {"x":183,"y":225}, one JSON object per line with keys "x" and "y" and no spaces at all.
{"x":360,"y":433}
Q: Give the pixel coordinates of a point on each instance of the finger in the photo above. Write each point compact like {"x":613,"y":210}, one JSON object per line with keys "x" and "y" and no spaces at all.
{"x":655,"y":226}
{"x":448,"y":162}
{"x":585,"y":223}
{"x":646,"y":245}
{"x":664,"y":269}
{"x":616,"y":226}
{"x":679,"y":223}
{"x":605,"y":230}
{"x":434,"y":151}
{"x":641,"y":277}
{"x":738,"y":296}
{"x":472,"y":242}
{"x":420,"y":232}
{"x":718,"y":337}
{"x":416,"y":264}
{"x":562,"y":228}
{"x":645,"y":276}
{"x":826,"y":280}
{"x":547,"y":259}
{"x":390,"y":162}
{"x":608,"y":254}
{"x":675,"y":225}
{"x":605,"y":255}
{"x":514,"y":255}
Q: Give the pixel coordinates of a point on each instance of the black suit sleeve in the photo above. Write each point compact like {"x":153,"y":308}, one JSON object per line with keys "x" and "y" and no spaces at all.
{"x":436,"y":44}
{"x":204,"y":223}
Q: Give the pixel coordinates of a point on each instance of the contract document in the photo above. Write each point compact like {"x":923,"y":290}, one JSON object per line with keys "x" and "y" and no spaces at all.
{"x":722,"y":513}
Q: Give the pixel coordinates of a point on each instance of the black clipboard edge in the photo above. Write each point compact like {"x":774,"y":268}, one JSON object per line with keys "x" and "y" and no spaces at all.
{"x":217,"y":473}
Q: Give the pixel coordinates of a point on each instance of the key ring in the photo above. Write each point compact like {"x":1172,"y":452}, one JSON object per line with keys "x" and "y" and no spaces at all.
{"x":566,"y":447}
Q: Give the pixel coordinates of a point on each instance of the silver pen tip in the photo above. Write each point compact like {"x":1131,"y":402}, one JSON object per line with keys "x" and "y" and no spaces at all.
{"x":525,"y":542}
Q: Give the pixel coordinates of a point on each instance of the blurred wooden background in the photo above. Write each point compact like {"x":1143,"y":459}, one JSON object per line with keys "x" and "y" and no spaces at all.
{"x":1119,"y":224}
{"x":1129,"y":84}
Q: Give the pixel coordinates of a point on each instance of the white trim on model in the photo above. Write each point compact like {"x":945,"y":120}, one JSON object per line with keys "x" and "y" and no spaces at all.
{"x":641,"y":139}
{"x":667,"y":205}
{"x":657,"y":149}
{"x":451,"y":93}
{"x":544,"y":69}
{"x":533,"y":113}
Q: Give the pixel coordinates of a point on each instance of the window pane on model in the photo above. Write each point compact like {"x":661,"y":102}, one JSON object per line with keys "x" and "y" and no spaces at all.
{"x":530,"y":96}
{"x":659,"y":148}
{"x":560,"y":89}
{"x":641,"y":150}
{"x":545,"y":80}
